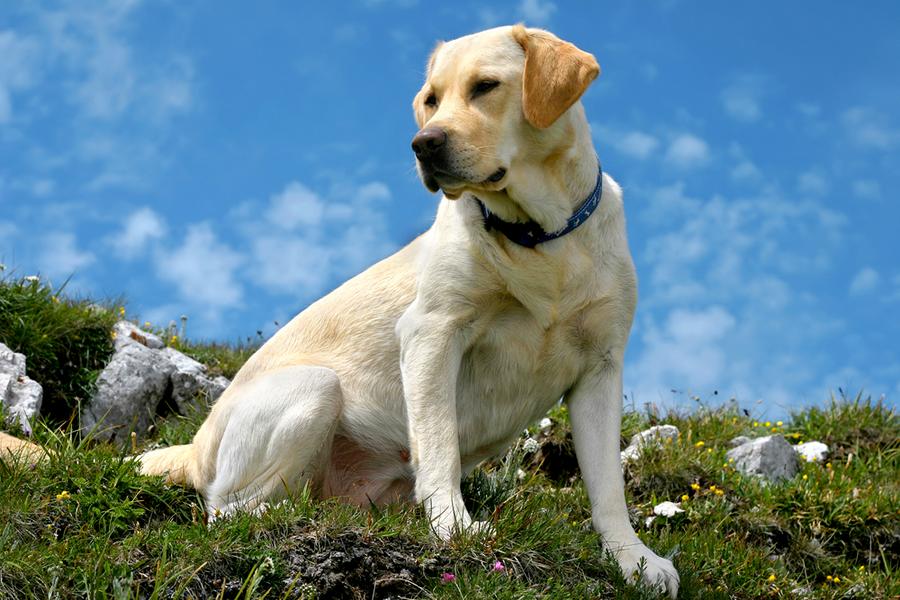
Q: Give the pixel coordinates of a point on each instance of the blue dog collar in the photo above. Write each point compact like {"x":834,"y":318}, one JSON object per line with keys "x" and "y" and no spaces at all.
{"x":531,"y":234}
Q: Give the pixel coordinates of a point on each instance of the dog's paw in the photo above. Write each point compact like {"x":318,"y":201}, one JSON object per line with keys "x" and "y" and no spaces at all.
{"x":480,"y":528}
{"x":639,"y":562}
{"x":467,"y":527}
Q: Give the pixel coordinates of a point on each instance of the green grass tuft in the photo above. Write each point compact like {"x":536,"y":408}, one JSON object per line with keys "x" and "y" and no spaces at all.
{"x":66,"y":341}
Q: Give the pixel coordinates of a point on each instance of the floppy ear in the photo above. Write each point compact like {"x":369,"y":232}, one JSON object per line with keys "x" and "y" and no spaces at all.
{"x":556,"y":75}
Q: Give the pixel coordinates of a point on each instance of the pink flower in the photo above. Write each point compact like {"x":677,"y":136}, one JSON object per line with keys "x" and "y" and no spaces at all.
{"x":498,"y":567}
{"x":448,"y":578}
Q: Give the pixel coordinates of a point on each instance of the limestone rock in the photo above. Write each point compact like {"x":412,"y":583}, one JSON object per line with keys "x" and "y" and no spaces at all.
{"x":770,"y":457}
{"x":653,"y":435}
{"x":129,"y":391}
{"x":738,"y":441}
{"x":20,"y":395}
{"x":128,"y":333}
{"x":191,"y":382}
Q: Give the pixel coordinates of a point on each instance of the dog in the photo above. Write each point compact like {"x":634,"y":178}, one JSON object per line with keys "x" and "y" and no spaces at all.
{"x":522,"y":292}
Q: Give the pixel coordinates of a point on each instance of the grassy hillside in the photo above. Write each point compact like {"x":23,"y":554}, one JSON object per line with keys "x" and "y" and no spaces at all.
{"x":84,"y":524}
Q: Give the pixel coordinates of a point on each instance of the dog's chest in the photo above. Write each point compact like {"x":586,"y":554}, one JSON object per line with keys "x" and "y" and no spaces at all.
{"x":512,"y":374}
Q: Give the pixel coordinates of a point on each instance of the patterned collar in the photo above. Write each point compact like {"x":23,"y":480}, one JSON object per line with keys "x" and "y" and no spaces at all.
{"x":531,"y":234}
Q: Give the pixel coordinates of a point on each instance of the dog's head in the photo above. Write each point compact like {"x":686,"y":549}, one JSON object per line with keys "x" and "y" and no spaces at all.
{"x":493,"y":101}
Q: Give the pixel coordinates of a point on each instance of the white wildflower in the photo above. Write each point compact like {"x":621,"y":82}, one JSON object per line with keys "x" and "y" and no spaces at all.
{"x":531,"y":445}
{"x":812,"y":451}
{"x":546,"y":423}
{"x":667,"y":509}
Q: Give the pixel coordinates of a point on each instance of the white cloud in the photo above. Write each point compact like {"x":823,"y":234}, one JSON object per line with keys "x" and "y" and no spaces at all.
{"x":687,"y":151}
{"x":7,"y":231}
{"x":870,"y":128}
{"x":296,"y":206}
{"x":18,"y":56}
{"x":742,"y":98}
{"x":865,"y":281}
{"x":139,"y":229}
{"x":301,"y":242}
{"x":809,"y":109}
{"x":489,"y":17}
{"x":812,"y":182}
{"x":203,"y":270}
{"x":868,"y":189}
{"x":536,"y":12}
{"x":59,"y":256}
{"x":82,"y":64}
{"x":635,"y":144}
{"x":745,"y":170}
{"x":719,"y":308}
{"x":688,"y":347}
{"x":668,"y":204}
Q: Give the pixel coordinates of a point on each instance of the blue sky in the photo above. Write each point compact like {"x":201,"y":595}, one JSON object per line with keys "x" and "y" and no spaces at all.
{"x":233,"y":162}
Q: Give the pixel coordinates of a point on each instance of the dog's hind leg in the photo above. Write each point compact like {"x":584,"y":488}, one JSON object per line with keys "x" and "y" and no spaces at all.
{"x":276,"y":433}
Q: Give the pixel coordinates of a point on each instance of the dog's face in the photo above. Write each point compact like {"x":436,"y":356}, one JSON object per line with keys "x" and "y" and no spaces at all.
{"x":492,"y":100}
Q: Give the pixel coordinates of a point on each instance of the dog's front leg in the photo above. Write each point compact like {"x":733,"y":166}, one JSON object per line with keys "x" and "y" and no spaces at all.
{"x":431,"y":349}
{"x":595,"y":407}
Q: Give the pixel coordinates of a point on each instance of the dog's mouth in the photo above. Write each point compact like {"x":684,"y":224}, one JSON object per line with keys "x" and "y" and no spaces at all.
{"x":453,"y":185}
{"x":497,"y":177}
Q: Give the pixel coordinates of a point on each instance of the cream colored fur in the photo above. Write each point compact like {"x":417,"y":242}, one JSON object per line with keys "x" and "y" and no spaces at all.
{"x":403,"y":379}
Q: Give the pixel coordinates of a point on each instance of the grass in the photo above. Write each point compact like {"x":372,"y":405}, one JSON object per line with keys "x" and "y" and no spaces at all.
{"x":84,"y":524}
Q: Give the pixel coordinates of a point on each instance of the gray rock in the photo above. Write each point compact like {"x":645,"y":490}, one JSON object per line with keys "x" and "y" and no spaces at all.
{"x":738,"y":441}
{"x":128,"y":333}
{"x":20,"y":395}
{"x":770,"y":457}
{"x":191,"y":384}
{"x":653,"y":435}
{"x":129,"y":391}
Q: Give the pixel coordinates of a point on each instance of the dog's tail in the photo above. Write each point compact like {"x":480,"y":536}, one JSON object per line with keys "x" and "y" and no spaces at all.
{"x":20,"y":449}
{"x":176,"y":463}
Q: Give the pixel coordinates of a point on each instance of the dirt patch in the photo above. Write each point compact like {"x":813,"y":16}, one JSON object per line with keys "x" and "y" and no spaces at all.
{"x":556,"y":458}
{"x":351,"y":565}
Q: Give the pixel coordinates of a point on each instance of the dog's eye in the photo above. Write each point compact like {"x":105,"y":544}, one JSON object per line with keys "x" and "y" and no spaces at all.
{"x":483,"y":87}
{"x":431,"y":100}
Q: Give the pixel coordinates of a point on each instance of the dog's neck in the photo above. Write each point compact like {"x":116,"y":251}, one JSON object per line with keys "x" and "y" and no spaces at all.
{"x":548,"y":190}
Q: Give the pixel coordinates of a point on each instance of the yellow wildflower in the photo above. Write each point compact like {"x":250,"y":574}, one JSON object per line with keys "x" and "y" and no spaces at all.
{"x":712,"y":488}
{"x":63,"y":495}
{"x":780,"y":423}
{"x":774,"y":430}
{"x":768,"y":423}
{"x":837,"y":579}
{"x":805,"y":477}
{"x":122,"y":311}
{"x":147,"y":324}
{"x":771,"y":577}
{"x":695,"y":486}
{"x":700,"y":444}
{"x":828,"y":465}
{"x":756,"y":423}
{"x":861,"y":568}
{"x":719,"y":492}
{"x":828,"y":577}
{"x":685,"y":497}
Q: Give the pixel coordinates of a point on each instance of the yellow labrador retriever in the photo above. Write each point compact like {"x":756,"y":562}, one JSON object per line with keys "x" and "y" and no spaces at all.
{"x":522,"y":292}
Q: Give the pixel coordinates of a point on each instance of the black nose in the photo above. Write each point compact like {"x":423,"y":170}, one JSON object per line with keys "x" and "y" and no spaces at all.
{"x":429,"y":142}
